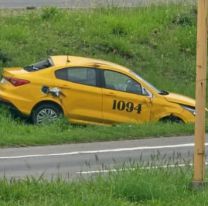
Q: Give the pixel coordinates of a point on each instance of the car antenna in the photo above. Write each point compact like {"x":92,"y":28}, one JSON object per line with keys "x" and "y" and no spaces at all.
{"x":68,"y":60}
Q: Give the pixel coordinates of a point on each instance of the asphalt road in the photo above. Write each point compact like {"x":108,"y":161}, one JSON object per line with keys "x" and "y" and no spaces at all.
{"x":81,"y":3}
{"x":73,"y":160}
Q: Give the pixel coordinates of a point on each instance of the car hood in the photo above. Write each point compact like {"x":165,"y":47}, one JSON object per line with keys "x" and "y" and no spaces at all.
{"x":180,"y":99}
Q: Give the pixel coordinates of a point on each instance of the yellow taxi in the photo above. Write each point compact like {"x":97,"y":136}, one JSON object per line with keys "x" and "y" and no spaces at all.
{"x":89,"y":91}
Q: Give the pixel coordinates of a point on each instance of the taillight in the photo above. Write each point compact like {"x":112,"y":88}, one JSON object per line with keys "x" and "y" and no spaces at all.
{"x":17,"y":82}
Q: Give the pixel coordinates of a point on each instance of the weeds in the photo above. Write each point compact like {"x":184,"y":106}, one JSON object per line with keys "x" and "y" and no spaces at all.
{"x":50,"y":13}
{"x":17,"y":132}
{"x":168,"y":186}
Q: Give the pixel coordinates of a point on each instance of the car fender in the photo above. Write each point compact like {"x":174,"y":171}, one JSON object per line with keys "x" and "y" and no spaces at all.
{"x":49,"y":100}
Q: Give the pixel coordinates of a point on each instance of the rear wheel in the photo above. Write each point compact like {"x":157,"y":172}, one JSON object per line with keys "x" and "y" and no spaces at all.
{"x":45,"y":113}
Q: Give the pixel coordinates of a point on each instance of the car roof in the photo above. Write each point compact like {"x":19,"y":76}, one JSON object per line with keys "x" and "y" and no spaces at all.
{"x":83,"y":61}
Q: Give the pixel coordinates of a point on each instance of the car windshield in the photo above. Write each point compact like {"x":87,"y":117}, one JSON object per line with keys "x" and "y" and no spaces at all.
{"x":39,"y":65}
{"x":162,"y":92}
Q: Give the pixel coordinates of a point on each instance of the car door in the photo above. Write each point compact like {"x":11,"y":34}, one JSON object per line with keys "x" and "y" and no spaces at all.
{"x":82,"y":97}
{"x":123,"y":99}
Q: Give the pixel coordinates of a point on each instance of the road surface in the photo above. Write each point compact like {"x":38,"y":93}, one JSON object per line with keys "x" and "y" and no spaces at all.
{"x":72,"y":160}
{"x":81,"y":3}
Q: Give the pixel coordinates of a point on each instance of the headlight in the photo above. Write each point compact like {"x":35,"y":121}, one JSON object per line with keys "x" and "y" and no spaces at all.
{"x":190,"y":109}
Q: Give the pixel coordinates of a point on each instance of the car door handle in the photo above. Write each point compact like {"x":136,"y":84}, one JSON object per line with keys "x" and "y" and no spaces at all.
{"x":65,"y":86}
{"x":111,"y":94}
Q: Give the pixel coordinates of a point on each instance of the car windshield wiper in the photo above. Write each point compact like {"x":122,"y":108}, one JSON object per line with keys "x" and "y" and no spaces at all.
{"x":163,"y":92}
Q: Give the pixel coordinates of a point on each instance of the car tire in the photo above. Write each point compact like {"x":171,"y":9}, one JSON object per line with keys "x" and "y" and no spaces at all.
{"x":45,"y":113}
{"x":172,"y":119}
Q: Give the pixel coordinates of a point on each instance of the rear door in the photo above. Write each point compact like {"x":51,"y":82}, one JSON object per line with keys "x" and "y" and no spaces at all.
{"x":123,"y":101}
{"x":82,"y":96}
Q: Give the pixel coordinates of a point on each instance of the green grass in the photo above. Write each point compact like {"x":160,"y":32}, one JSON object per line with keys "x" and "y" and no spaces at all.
{"x":158,"y":42}
{"x":17,"y":133}
{"x":161,"y":187}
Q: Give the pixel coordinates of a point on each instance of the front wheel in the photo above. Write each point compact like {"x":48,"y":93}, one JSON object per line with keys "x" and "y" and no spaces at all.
{"x":172,"y":119}
{"x":45,"y":113}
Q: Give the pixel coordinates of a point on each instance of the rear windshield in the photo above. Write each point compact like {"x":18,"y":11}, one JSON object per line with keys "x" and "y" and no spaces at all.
{"x":39,"y":65}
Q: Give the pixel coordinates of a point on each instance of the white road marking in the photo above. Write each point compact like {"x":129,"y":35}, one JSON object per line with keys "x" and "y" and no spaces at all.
{"x":100,"y":151}
{"x":132,"y":169}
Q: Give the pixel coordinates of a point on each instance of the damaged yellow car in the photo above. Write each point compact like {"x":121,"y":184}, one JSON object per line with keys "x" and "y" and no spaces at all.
{"x":89,"y":91}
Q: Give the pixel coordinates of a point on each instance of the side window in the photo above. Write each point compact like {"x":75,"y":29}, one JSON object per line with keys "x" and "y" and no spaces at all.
{"x":121,"y":82}
{"x":78,"y":75}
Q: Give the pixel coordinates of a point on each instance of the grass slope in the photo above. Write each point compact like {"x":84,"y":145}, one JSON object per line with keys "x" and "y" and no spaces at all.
{"x":161,"y":187}
{"x":158,"y":42}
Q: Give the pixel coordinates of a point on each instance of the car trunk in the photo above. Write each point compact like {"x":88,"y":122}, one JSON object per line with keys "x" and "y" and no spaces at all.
{"x":14,"y":76}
